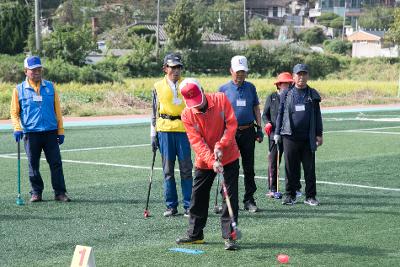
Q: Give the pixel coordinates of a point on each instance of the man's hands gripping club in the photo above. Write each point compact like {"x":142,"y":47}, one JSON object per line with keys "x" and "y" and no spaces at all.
{"x":217,"y":166}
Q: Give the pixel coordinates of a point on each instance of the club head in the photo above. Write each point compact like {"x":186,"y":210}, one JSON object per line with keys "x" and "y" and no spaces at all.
{"x":277,"y":195}
{"x":20,"y":201}
{"x":236,"y":234}
{"x":146,"y":214}
{"x":217,"y":209}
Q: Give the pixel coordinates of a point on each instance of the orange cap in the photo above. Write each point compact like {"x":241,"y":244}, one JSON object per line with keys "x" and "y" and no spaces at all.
{"x":284,"y":77}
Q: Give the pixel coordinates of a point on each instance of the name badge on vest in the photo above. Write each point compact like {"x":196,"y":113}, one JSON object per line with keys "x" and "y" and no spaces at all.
{"x":300,"y":107}
{"x":177,"y":101}
{"x":241,"y":103}
{"x":37,"y":98}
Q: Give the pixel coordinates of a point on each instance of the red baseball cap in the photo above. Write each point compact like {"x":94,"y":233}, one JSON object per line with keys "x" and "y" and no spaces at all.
{"x":191,"y":91}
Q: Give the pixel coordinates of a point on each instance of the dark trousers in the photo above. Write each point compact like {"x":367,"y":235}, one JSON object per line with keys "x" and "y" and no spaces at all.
{"x":201,"y":197}
{"x":299,"y":153}
{"x":273,"y":167}
{"x":34,"y":144}
{"x":246,"y":143}
{"x":273,"y":163}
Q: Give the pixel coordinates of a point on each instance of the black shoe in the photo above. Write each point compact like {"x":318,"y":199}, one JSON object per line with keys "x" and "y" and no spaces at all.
{"x":62,"y":198}
{"x":289,"y":200}
{"x":217,"y":209}
{"x":250,"y":206}
{"x":230,"y":244}
{"x":190,"y":240}
{"x":170,"y":212}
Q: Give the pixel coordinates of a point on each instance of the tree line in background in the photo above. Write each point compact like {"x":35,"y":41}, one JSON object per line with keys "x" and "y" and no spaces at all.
{"x":66,"y":48}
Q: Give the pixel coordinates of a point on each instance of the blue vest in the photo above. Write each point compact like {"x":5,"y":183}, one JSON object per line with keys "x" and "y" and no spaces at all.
{"x":37,"y":116}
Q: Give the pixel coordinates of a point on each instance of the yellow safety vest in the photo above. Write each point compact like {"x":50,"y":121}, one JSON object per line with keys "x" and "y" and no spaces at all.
{"x":167,"y":106}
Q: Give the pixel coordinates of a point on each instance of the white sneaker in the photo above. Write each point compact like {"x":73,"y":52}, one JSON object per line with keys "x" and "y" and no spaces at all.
{"x":311,"y":201}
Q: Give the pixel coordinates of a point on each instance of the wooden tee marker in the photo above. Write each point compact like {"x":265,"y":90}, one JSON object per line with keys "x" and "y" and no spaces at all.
{"x":83,"y":257}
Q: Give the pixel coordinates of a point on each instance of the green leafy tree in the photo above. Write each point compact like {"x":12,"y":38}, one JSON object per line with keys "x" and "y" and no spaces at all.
{"x":181,"y":27}
{"x":394,"y":30}
{"x":377,"y":18}
{"x":141,"y":61}
{"x":223,"y":16}
{"x":260,"y":30}
{"x":14,"y":26}
{"x":338,"y":46}
{"x":71,"y":44}
{"x":326,"y":19}
{"x":312,"y":36}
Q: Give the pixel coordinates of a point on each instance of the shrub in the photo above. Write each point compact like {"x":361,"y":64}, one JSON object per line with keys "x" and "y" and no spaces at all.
{"x":337,"y":46}
{"x":60,"y":71}
{"x":140,"y":62}
{"x":209,"y":59}
{"x":57,"y":70}
{"x":89,"y":75}
{"x":312,"y":36}
{"x":321,"y":65}
{"x":12,"y":68}
{"x":260,"y":30}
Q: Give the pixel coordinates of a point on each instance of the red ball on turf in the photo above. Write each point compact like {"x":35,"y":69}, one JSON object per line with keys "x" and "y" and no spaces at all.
{"x":283,"y":258}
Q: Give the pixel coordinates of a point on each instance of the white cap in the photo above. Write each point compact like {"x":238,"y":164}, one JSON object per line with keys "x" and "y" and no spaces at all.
{"x":239,"y":63}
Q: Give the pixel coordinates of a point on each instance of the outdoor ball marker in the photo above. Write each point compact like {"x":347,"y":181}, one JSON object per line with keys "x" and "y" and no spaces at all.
{"x":83,"y":257}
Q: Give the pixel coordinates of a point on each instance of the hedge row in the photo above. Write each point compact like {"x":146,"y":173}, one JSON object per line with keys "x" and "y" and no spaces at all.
{"x":208,"y":60}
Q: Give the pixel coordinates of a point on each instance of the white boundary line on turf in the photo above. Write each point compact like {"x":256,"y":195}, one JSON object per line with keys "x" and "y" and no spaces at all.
{"x":376,"y":132}
{"x":103,"y":147}
{"x":89,"y":149}
{"x":362,"y":129}
{"x":257,"y":177}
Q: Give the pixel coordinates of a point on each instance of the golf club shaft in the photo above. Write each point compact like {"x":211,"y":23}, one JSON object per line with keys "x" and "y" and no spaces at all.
{"x":19,"y":167}
{"x":216,"y":193}
{"x":277,"y":167}
{"x":150,"y":180}
{"x":228,"y":203}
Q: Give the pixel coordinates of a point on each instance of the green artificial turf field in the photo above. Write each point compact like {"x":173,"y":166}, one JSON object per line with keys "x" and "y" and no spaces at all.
{"x":107,"y":170}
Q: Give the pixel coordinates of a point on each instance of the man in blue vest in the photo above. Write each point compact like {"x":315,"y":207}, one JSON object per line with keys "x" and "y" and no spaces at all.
{"x":37,"y":119}
{"x":168,"y":133}
{"x":244,"y":99}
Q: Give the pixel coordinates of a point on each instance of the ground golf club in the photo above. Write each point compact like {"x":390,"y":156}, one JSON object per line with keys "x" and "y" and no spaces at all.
{"x":146,"y":210}
{"x":236,"y":234}
{"x":277,"y":194}
{"x":217,"y":208}
{"x":19,"y":200}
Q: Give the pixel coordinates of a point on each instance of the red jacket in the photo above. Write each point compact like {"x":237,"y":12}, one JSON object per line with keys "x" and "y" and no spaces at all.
{"x":214,"y":128}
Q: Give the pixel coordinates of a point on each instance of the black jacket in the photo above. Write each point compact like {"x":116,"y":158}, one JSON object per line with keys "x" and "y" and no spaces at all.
{"x":271,"y":109}
{"x":284,"y":121}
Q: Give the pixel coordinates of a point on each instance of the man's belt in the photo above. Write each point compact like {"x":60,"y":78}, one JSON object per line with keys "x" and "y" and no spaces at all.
{"x":169,"y":117}
{"x":245,"y":126}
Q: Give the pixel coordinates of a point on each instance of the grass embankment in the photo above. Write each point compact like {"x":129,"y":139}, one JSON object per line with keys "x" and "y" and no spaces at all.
{"x":133,"y":96}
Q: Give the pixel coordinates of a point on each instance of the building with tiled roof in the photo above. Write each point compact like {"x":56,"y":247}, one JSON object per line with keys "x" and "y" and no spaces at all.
{"x":371,"y":44}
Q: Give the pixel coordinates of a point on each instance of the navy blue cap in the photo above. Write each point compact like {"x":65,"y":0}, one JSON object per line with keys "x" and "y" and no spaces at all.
{"x":300,"y":68}
{"x":172,"y":60}
{"x":32,"y":62}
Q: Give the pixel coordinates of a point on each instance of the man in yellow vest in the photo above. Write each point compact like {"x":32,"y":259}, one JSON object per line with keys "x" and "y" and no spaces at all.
{"x":168,"y":134}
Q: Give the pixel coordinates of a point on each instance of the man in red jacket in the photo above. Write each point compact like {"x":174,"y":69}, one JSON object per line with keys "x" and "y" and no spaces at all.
{"x":211,"y":125}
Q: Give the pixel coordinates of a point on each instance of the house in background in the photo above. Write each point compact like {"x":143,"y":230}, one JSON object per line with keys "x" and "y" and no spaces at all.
{"x":277,"y":11}
{"x":371,"y":44}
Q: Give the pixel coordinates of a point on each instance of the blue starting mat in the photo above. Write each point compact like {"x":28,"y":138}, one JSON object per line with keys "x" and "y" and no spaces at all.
{"x":186,"y":250}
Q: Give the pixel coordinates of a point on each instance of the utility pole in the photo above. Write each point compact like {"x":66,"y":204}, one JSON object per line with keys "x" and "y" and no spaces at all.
{"x":158,"y":29}
{"x":244,"y":17}
{"x":37,"y":25}
{"x":344,"y":20}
